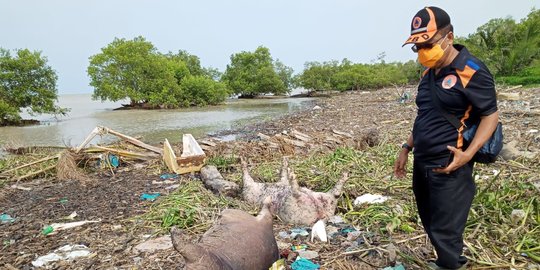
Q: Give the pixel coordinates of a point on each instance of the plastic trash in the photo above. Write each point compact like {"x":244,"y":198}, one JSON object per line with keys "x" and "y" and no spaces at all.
{"x":319,"y":231}
{"x":63,"y":200}
{"x":308,"y":254}
{"x":72,"y":216}
{"x":114,"y":160}
{"x":336,"y":220}
{"x":370,"y":199}
{"x":304,"y":264}
{"x":284,"y":235}
{"x":345,"y":231}
{"x":149,"y":197}
{"x":47,"y":230}
{"x":278,"y":265}
{"x":56,"y":227}
{"x":298,"y":247}
{"x":397,"y":267}
{"x":5,"y":218}
{"x":298,"y":231}
{"x":65,"y":253}
{"x":167,"y":176}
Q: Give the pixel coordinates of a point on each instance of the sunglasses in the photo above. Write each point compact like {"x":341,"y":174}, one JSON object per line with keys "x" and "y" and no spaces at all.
{"x":416,"y":47}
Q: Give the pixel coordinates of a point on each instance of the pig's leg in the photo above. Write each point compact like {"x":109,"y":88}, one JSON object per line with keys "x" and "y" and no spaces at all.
{"x":338,"y":188}
{"x":265,"y":215}
{"x":294,"y":184}
{"x":284,"y":179}
{"x":246,"y":177}
{"x":251,"y":190}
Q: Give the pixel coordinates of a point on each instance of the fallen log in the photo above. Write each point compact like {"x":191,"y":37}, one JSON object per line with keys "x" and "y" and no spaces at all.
{"x":214,"y":181}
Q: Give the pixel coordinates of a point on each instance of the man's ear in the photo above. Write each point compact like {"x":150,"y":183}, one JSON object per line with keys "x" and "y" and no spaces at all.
{"x":451,"y":37}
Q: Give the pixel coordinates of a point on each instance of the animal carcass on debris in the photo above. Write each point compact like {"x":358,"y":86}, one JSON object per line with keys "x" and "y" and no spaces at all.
{"x":293,"y":204}
{"x":237,"y":241}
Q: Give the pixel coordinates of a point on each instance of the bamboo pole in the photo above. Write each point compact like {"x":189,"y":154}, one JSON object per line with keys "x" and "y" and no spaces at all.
{"x":133,"y":140}
{"x":31,"y":163}
{"x":123,"y":153}
{"x":36,"y":173}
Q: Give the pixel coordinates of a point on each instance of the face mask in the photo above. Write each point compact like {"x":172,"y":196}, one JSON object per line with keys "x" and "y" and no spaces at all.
{"x":430,"y":57}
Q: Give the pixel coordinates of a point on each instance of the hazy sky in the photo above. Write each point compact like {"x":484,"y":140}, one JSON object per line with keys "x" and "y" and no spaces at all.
{"x":295,"y":31}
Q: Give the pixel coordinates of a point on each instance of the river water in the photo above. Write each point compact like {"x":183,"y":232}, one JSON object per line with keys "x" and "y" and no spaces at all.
{"x":151,"y":126}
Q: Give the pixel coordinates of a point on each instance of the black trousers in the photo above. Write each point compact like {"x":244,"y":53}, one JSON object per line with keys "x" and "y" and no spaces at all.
{"x":443,"y":202}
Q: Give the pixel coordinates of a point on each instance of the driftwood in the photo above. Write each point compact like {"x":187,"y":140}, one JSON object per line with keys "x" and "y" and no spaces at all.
{"x":128,"y":154}
{"x":214,"y":181}
{"x":104,"y":130}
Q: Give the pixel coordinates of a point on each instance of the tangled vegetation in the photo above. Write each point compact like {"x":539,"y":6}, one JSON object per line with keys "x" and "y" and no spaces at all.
{"x":510,"y":49}
{"x":346,"y":75}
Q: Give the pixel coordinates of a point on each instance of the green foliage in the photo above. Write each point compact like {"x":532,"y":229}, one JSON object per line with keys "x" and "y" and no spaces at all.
{"x":528,"y":76}
{"x":135,"y":70}
{"x":318,"y":76}
{"x":349,"y":76}
{"x":190,"y":207}
{"x":204,"y":91}
{"x":255,"y":73}
{"x":26,"y":82}
{"x":508,"y":48}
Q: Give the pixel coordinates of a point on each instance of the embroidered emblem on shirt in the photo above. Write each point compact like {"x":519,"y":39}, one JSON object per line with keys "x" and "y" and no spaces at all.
{"x":417,"y":21}
{"x":449,"y":81}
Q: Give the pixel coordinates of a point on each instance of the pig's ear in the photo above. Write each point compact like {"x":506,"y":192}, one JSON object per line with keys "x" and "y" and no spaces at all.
{"x":338,"y":188}
{"x":268,"y":210}
{"x":190,"y":252}
{"x":267,"y":207}
{"x":243,"y":162}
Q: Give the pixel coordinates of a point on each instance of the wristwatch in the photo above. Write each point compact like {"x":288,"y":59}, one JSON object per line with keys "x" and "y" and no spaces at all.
{"x":406,"y":146}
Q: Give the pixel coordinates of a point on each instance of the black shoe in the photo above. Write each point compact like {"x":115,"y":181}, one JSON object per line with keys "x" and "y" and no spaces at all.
{"x":434,"y":266}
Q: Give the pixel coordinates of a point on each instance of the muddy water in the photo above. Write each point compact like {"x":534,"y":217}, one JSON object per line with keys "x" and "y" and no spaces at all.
{"x":151,"y":126}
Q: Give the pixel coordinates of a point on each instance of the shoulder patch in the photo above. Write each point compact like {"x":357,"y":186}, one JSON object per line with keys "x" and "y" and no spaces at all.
{"x":473,"y":65}
{"x":467,"y":73}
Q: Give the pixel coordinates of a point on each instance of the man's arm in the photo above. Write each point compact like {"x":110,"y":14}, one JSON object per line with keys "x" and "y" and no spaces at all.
{"x":401,"y":161}
{"x":487,"y":126}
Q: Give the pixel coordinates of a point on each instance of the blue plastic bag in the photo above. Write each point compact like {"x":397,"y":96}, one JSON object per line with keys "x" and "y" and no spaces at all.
{"x":304,"y":264}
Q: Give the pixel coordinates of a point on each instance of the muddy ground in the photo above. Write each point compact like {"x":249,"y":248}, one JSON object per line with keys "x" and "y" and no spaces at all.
{"x":352,"y":119}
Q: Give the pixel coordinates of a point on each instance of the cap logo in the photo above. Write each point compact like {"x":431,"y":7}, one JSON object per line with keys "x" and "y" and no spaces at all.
{"x":416,"y":22}
{"x":449,"y":81}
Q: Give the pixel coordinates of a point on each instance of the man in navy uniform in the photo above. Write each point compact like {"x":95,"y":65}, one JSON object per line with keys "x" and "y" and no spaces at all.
{"x":442,"y":169}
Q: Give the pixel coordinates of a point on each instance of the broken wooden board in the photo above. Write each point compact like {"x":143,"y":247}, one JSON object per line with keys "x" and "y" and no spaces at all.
{"x":301,"y":136}
{"x":192,"y":159}
{"x":508,"y":96}
{"x":342,"y":133}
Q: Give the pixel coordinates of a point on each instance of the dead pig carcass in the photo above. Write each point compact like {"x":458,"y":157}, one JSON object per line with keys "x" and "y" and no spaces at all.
{"x":291,"y":203}
{"x":237,"y":241}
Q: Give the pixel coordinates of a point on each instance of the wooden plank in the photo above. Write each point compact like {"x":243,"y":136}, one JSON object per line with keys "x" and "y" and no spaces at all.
{"x":342,"y":133}
{"x":169,"y":157}
{"x":133,"y":141}
{"x":301,"y":136}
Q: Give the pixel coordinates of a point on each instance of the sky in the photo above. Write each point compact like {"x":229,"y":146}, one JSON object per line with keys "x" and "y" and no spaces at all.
{"x":68,"y":32}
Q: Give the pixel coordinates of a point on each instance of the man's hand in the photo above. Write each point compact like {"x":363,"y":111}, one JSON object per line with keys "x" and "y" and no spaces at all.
{"x":401,"y":163}
{"x":460,"y":158}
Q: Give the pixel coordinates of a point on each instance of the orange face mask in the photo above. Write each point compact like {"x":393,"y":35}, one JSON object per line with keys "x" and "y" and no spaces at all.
{"x":429,"y":57}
